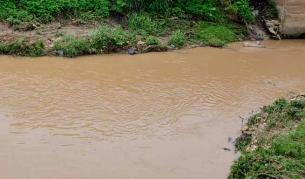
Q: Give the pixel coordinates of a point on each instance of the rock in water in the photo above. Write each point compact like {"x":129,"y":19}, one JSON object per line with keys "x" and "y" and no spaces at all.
{"x":257,"y":44}
{"x":60,"y":53}
{"x":132,"y":51}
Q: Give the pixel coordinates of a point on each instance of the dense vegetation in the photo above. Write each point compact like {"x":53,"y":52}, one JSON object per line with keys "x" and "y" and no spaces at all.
{"x":204,"y":22}
{"x":273,"y":146}
{"x":18,"y":11}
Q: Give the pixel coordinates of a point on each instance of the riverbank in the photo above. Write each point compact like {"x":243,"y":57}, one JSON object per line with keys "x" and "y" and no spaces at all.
{"x":62,"y":28}
{"x":70,"y":39}
{"x":272,"y":143}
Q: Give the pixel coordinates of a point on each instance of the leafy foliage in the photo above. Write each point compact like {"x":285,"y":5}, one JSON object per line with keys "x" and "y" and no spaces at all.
{"x":215,"y":35}
{"x":45,"y":11}
{"x":177,"y":39}
{"x":151,"y":40}
{"x":21,"y":47}
{"x":205,"y":9}
{"x":280,"y":144}
{"x":243,"y":9}
{"x":109,"y":39}
{"x":103,"y":40}
{"x":72,"y":47}
{"x":142,"y":24}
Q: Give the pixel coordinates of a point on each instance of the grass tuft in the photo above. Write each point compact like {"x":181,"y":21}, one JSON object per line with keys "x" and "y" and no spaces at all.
{"x":177,"y":39}
{"x":215,"y":35}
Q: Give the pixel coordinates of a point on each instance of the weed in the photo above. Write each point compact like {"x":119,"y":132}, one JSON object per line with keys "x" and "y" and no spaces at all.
{"x":107,"y":39}
{"x":71,"y":46}
{"x":177,"y":39}
{"x":142,"y":24}
{"x":20,"y":47}
{"x":151,"y":40}
{"x":280,"y":147}
{"x":215,"y":35}
{"x":243,"y":9}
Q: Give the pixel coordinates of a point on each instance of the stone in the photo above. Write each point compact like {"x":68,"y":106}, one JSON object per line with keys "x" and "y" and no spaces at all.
{"x":60,"y":53}
{"x":132,"y":51}
{"x":257,"y":44}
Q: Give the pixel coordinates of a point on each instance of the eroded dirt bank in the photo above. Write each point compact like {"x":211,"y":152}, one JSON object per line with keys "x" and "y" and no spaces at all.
{"x":157,"y":115}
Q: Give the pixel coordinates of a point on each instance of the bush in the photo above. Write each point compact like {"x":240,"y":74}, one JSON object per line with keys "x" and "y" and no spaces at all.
{"x":104,"y":40}
{"x":177,"y":39}
{"x":20,"y":47}
{"x":271,"y":10}
{"x":107,"y":39}
{"x":243,"y":9}
{"x":151,"y":40}
{"x":215,"y":35}
{"x":204,"y":9}
{"x":142,"y":24}
{"x":156,"y":6}
{"x":45,"y":11}
{"x":71,"y":47}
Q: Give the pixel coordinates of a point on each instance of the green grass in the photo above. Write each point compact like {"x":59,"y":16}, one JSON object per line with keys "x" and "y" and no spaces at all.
{"x":107,"y":39}
{"x":151,"y":40}
{"x":44,"y":11}
{"x":280,"y":145}
{"x":144,"y":24}
{"x":71,"y":46}
{"x":243,"y":9}
{"x":177,"y":39}
{"x":22,"y":48}
{"x":104,"y":40}
{"x":153,"y":44}
{"x":215,"y":35}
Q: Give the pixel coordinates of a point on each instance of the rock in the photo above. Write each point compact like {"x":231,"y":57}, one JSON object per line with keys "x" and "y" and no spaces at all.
{"x":132,"y":51}
{"x":141,"y":43}
{"x":256,"y":32}
{"x":257,"y":44}
{"x":273,"y":26}
{"x":60,"y":53}
{"x":140,"y":46}
{"x":172,"y":46}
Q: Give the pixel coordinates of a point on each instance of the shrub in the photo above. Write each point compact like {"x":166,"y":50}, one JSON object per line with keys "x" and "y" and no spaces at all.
{"x":151,"y":40}
{"x":177,"y":39}
{"x":46,"y":10}
{"x":107,"y":39}
{"x":271,"y":9}
{"x":104,"y":40}
{"x":71,"y":46}
{"x":243,"y":9}
{"x":204,"y":9}
{"x":142,"y":24}
{"x":157,"y":6}
{"x":215,"y":35}
{"x":20,"y":47}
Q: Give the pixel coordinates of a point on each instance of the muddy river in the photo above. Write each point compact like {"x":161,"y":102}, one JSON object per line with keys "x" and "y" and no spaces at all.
{"x":157,"y":115}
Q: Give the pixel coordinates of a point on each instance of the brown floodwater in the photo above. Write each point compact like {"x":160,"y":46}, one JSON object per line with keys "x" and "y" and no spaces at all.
{"x":157,"y":115}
